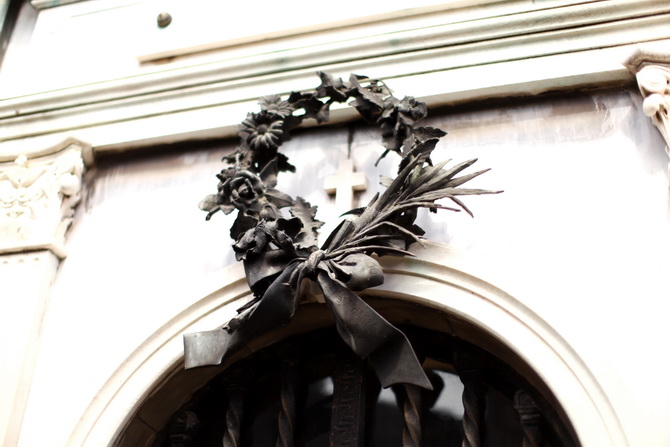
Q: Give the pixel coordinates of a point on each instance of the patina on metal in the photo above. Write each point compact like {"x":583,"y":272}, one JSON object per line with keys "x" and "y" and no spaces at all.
{"x":530,"y":417}
{"x":280,"y":250}
{"x":474,"y":398}
{"x":350,"y":400}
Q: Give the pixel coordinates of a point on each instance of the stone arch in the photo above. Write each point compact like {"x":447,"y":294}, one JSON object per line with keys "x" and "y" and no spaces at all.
{"x":437,"y":278}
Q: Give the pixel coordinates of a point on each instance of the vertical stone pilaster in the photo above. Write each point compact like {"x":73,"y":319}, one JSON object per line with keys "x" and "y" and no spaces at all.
{"x":26,"y":280}
{"x":38,"y":197}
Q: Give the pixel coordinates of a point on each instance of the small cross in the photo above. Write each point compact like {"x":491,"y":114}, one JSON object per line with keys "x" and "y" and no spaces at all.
{"x":343,"y":185}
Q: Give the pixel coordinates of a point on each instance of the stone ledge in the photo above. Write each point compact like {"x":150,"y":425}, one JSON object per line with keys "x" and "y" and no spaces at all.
{"x":554,"y":48}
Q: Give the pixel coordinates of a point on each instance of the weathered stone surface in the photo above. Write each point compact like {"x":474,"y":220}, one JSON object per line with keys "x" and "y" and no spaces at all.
{"x":38,"y":197}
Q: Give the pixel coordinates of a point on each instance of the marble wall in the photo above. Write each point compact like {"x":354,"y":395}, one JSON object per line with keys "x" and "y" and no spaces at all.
{"x":580,"y":235}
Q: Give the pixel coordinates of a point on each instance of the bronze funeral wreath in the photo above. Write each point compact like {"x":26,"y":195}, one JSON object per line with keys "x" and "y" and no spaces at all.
{"x":279,"y":251}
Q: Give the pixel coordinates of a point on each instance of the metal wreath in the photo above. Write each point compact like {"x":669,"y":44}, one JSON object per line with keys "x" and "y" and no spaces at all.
{"x":279,"y":252}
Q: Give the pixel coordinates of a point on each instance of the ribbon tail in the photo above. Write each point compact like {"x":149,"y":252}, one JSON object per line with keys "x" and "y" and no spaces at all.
{"x":205,"y":348}
{"x":370,"y":336}
{"x":274,"y":310}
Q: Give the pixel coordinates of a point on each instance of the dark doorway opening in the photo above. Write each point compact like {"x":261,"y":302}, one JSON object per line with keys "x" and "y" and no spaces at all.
{"x":309,"y":390}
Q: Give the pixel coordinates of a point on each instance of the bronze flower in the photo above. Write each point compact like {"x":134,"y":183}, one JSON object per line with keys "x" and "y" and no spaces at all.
{"x":262,"y":131}
{"x":274,"y":105}
{"x":240,"y":188}
{"x":237,"y":189}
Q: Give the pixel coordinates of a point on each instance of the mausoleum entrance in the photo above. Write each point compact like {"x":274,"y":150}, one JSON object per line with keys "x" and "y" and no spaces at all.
{"x":302,"y":386}
{"x":501,"y":375}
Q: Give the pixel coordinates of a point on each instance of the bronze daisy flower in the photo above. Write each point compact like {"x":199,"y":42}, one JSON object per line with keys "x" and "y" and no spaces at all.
{"x":261,"y":131}
{"x":273,"y":105}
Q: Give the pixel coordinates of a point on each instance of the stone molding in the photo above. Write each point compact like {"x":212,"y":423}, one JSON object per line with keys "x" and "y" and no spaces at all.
{"x":521,"y":52}
{"x":38,"y":197}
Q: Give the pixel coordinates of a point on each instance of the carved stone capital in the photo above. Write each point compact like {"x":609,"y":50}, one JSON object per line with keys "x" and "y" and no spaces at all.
{"x":652,"y":70}
{"x":38,"y":197}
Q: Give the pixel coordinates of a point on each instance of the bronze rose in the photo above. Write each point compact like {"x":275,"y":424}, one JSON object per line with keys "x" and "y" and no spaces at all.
{"x":249,"y":193}
{"x":241,"y":189}
{"x":237,"y":189}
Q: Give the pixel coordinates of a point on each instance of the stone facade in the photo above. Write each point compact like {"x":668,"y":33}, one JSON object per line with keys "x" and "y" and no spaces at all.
{"x":108,"y":261}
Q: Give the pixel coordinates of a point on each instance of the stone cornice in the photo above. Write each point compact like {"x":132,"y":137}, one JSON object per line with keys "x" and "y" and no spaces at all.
{"x":527,"y":52}
{"x":38,"y":197}
{"x":487,"y":40}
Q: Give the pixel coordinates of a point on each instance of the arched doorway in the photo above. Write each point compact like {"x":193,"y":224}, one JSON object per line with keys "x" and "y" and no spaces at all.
{"x":309,"y":390}
{"x":433,"y":297}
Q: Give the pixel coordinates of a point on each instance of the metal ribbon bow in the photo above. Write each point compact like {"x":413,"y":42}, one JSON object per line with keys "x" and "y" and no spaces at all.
{"x":368,"y":334}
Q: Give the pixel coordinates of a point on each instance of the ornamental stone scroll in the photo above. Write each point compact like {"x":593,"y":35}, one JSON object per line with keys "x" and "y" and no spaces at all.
{"x":652,"y":70}
{"x":38,"y":197}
